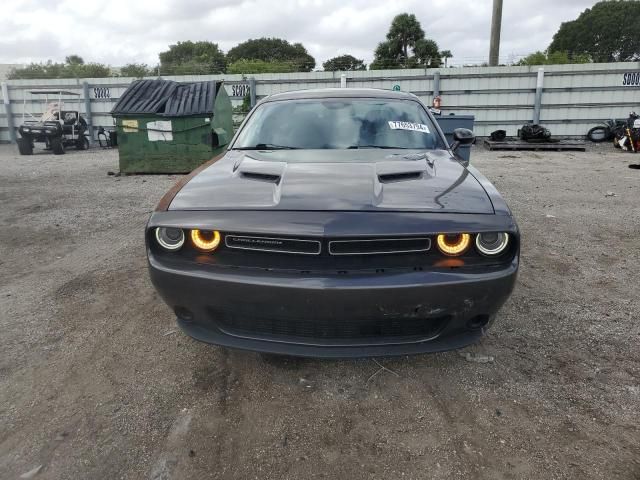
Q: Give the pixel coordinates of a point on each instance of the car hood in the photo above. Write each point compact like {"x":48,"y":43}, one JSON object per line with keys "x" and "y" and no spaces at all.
{"x":335,"y":180}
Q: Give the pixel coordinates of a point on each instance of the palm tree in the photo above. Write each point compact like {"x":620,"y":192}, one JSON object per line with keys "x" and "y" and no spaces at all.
{"x":406,"y":46}
{"x":426,"y":53}
{"x":446,"y":54}
{"x":405,"y":31}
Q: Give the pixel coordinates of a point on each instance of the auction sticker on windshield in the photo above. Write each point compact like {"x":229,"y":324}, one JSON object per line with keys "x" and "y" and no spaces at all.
{"x":415,"y":127}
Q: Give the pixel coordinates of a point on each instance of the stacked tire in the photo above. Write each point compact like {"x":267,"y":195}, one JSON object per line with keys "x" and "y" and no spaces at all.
{"x":599,"y":134}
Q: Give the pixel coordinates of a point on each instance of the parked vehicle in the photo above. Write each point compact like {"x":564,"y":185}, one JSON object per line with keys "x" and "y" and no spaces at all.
{"x":337,"y":223}
{"x":59,"y":126}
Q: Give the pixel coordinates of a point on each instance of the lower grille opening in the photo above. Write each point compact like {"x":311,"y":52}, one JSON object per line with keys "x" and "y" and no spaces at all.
{"x":358,"y":330}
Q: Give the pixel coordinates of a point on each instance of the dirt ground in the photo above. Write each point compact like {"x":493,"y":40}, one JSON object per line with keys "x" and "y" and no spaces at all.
{"x":95,"y":381}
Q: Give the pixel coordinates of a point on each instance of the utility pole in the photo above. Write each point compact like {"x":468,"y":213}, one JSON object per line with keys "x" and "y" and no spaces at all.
{"x":496,"y":22}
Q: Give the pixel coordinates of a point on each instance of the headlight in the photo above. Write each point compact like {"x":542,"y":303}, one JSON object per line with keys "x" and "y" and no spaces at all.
{"x":205,"y":240}
{"x":492,"y":243}
{"x":453,"y":244}
{"x":26,"y":129}
{"x":169,"y":238}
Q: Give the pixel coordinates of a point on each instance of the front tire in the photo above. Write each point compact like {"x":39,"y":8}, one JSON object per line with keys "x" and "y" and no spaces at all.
{"x":25,"y":147}
{"x":82,"y":143}
{"x":57,"y":146}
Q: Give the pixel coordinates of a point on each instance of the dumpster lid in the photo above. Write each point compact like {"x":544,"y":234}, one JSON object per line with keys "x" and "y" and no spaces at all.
{"x":167,"y":98}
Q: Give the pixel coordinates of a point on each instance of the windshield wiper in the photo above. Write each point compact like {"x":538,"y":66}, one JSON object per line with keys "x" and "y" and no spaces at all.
{"x":376,"y":146}
{"x":267,"y":146}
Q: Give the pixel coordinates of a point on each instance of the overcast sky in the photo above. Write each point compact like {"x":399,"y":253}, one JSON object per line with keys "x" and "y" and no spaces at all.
{"x":118,"y":32}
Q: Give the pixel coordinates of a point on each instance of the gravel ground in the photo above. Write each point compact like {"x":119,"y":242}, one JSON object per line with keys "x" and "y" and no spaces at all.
{"x":95,"y":382}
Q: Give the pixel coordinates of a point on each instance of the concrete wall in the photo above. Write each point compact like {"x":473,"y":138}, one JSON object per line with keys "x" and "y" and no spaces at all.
{"x":574,"y":97}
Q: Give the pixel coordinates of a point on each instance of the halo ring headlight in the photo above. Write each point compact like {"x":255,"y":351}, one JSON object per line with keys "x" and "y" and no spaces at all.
{"x":453,"y":244}
{"x":205,"y":240}
{"x":491,"y":244}
{"x":170,"y":238}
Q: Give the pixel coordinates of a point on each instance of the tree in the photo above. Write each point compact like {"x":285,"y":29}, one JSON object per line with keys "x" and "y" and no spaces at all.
{"x":189,"y":57}
{"x":38,"y":70}
{"x":245,"y":66}
{"x":425,"y":53}
{"x":607,"y":32}
{"x":404,"y":32}
{"x":385,"y":57}
{"x":344,"y":63}
{"x":553,"y":58}
{"x":446,"y":54}
{"x":89,"y":70}
{"x":74,"y":67}
{"x":273,"y":50}
{"x":406,"y":46}
{"x":74,"y":60}
{"x":137,"y":70}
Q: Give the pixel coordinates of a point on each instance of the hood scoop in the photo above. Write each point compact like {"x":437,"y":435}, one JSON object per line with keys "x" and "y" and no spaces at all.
{"x":400,"y":171}
{"x":259,"y":170}
{"x":399,"y":177}
{"x":265,"y":177}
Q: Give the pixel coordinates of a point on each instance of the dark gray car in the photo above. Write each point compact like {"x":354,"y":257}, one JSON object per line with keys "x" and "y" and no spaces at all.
{"x":338,"y":223}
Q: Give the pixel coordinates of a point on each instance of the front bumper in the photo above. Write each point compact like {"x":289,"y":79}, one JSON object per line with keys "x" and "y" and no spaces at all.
{"x":333,"y":315}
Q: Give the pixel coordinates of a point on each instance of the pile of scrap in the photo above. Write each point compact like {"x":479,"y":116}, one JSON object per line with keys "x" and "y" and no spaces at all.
{"x":531,"y":137}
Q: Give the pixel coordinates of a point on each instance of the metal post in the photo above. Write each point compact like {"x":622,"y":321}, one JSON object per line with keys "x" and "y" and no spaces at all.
{"x":496,"y":22}
{"x":343,"y":81}
{"x":538,"y":104}
{"x":87,"y":111}
{"x":8,"y":111}
{"x":436,"y":83}
{"x":252,"y":91}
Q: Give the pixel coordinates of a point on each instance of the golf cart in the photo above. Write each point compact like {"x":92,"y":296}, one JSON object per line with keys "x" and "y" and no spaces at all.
{"x":57,"y":128}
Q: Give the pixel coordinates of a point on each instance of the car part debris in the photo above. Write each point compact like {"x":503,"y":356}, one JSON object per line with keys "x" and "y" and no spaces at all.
{"x":498,"y":135}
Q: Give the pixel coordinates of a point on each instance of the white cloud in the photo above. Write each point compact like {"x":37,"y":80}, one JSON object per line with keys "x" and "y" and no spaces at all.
{"x":123,"y":31}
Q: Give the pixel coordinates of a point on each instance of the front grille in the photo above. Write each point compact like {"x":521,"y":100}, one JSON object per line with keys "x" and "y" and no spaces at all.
{"x":360,"y":331}
{"x":270,"y":244}
{"x":359,"y":246}
{"x":379,"y":246}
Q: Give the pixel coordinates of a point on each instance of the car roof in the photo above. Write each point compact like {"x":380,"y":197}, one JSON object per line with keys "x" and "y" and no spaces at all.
{"x":340,"y":93}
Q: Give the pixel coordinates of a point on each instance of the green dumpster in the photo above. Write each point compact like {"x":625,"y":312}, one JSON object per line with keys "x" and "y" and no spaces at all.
{"x":170,"y":127}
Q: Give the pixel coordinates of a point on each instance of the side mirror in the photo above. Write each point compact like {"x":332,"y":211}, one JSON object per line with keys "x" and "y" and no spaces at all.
{"x":462,"y":136}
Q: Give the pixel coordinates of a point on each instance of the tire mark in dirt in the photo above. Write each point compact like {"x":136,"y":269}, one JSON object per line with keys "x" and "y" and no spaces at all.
{"x":167,"y":460}
{"x":215,"y":373}
{"x":218,"y":375}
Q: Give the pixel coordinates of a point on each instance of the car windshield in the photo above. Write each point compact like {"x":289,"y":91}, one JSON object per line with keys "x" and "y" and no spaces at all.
{"x":339,"y":124}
